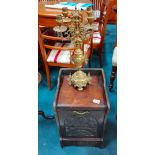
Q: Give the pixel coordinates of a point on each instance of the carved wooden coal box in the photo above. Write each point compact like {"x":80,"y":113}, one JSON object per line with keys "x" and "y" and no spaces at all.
{"x":80,"y":119}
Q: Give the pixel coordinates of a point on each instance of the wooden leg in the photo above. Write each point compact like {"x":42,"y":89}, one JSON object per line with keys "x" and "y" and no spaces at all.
{"x":100,"y":56}
{"x":89,"y":62}
{"x":90,"y":58}
{"x":91,"y":53}
{"x":48,"y":76}
{"x":112,"y":77}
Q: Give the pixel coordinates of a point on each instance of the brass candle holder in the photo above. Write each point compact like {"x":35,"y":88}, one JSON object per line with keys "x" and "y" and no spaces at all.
{"x":60,"y":28}
{"x":77,"y":32}
{"x":90,"y":19}
{"x":90,"y":15}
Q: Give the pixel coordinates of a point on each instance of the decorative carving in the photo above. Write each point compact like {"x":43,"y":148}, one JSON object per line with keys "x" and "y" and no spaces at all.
{"x":80,"y":132}
{"x":81,"y":126}
{"x":79,"y":79}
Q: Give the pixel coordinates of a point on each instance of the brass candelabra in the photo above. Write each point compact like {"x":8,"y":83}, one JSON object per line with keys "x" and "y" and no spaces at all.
{"x":70,"y":24}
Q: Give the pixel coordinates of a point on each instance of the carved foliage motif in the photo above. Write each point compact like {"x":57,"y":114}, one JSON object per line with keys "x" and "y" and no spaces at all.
{"x":81,"y":126}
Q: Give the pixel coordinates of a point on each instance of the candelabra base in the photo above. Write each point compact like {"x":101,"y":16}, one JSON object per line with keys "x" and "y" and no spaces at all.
{"x":79,"y":79}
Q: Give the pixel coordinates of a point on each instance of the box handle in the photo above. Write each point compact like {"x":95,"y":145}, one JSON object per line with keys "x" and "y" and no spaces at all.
{"x":81,"y":113}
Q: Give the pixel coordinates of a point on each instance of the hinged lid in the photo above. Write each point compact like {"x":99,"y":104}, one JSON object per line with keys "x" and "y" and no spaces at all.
{"x":92,"y":97}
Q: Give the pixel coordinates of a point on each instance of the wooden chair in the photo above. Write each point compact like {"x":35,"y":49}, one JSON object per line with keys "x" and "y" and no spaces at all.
{"x":101,"y":12}
{"x":114,"y":58}
{"x":57,"y":51}
{"x":114,"y":67}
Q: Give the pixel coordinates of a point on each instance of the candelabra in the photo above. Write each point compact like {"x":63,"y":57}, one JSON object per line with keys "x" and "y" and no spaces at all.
{"x":72,"y":25}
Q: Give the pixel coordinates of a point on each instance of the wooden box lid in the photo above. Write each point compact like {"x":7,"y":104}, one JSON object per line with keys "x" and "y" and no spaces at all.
{"x":69,"y":97}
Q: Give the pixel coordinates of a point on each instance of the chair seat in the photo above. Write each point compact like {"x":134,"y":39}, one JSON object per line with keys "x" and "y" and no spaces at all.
{"x":63,"y":56}
{"x":114,"y":57}
{"x":96,"y":37}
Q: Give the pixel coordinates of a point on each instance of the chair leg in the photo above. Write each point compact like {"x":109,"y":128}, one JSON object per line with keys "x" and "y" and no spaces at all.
{"x":48,"y":76}
{"x":90,"y":59}
{"x":91,"y":54}
{"x":89,"y":62}
{"x":112,"y":77}
{"x":100,"y":56}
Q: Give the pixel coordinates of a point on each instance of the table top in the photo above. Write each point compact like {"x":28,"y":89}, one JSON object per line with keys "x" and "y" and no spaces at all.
{"x":50,"y":12}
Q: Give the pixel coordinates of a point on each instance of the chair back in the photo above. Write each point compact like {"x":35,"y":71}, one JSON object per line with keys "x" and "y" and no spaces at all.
{"x":100,"y":5}
{"x":103,"y":20}
{"x":48,"y":40}
{"x":97,"y":4}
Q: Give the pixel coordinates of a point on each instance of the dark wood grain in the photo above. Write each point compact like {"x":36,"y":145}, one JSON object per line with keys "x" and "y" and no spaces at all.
{"x":112,"y":17}
{"x":69,"y":96}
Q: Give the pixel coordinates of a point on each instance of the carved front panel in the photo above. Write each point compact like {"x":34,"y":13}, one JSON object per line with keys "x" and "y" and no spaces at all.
{"x":81,"y":123}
